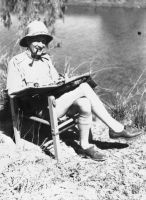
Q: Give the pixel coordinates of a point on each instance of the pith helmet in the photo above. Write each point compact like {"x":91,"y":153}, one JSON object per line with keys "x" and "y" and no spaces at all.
{"x":35,"y":28}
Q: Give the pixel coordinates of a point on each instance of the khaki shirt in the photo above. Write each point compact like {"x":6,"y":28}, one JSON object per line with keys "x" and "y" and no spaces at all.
{"x":24,"y":71}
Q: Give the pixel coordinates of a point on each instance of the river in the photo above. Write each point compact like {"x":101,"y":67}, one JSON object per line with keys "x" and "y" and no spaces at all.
{"x":110,"y":41}
{"x":113,"y":38}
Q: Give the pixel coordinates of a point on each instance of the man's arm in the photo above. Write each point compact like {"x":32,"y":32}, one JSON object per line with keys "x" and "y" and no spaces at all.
{"x":14,"y":79}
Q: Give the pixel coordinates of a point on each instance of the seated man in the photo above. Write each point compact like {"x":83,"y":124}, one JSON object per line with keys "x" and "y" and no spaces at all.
{"x":34,"y":66}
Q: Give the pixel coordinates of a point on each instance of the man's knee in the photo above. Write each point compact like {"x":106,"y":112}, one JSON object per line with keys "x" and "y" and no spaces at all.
{"x":84,"y":106}
{"x":84,"y":86}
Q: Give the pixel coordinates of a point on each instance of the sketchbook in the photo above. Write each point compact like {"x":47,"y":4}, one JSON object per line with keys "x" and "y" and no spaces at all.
{"x":57,"y":89}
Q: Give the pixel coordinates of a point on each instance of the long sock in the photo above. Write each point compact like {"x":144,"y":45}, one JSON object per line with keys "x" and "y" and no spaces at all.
{"x":84,"y":125}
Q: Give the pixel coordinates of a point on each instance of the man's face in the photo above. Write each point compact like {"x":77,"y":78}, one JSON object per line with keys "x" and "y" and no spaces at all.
{"x":37,"y":45}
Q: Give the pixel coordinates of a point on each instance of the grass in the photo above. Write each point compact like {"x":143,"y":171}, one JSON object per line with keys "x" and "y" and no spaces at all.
{"x":129,"y":107}
{"x":30,"y":174}
{"x":130,"y":112}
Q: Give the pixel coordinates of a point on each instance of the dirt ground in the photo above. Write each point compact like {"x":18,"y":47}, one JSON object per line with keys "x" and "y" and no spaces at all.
{"x":32,"y":174}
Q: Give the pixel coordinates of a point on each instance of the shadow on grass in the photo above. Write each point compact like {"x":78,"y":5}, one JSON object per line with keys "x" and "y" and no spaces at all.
{"x":110,"y":145}
{"x":6,"y":126}
{"x":72,"y":138}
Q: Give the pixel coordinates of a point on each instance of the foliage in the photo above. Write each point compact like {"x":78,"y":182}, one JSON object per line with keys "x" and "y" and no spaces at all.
{"x":28,"y":10}
{"x":3,"y":73}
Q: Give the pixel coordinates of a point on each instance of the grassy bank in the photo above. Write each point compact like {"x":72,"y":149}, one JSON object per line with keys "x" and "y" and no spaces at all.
{"x":30,"y":174}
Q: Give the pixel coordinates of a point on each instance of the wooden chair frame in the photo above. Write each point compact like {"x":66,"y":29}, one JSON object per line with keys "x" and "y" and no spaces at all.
{"x":53,"y":122}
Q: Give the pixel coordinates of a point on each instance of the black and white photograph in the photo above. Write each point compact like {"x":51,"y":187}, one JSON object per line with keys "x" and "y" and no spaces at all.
{"x":72,"y":99}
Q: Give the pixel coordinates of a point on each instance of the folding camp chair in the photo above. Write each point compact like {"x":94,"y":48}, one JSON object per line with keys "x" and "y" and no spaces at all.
{"x":56,"y":125}
{"x":52,"y":121}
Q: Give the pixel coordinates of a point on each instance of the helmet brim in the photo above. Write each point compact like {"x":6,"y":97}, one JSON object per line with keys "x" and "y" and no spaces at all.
{"x":23,"y":42}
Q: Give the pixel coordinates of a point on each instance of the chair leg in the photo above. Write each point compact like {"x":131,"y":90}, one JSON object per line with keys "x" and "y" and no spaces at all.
{"x":54,"y":126}
{"x":15,"y":120}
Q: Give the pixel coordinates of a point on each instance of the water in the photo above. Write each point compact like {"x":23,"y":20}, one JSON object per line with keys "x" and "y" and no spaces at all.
{"x":111,"y":41}
{"x":111,"y":37}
